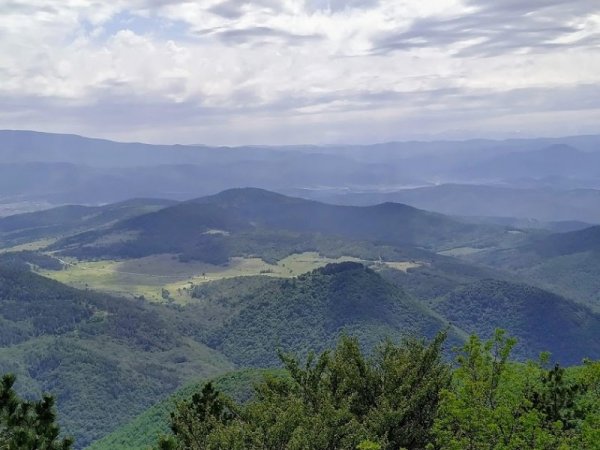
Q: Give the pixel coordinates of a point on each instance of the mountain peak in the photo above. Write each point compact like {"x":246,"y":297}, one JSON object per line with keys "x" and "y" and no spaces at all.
{"x":246,"y":194}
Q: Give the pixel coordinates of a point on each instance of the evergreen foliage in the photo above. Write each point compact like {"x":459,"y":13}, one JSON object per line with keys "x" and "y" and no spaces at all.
{"x":28,"y":424}
{"x":338,"y":400}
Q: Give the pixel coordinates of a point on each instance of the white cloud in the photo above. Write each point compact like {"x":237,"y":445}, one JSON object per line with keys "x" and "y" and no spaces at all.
{"x":291,"y":70}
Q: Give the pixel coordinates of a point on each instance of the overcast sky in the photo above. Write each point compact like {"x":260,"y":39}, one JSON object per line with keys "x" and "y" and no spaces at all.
{"x":300,"y":71}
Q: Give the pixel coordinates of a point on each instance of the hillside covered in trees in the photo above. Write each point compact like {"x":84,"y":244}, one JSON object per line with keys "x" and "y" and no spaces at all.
{"x":244,"y":275}
{"x":107,"y":359}
{"x":404,"y":395}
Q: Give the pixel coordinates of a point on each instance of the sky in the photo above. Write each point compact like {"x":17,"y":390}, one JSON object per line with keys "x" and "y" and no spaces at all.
{"x":300,"y":71}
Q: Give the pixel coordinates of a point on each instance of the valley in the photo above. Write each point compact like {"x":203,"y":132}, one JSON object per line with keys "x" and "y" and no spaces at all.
{"x":162,"y":278}
{"x":116,"y":307}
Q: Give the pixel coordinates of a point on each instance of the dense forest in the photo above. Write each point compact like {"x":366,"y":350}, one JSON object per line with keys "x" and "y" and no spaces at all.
{"x":401,"y":397}
{"x":398,"y":396}
{"x":244,"y":278}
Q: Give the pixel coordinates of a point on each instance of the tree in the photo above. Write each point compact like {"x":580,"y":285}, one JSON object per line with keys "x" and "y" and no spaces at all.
{"x":193,"y":421}
{"x":337,"y":400}
{"x":556,"y":399}
{"x":495,"y":404}
{"x":27,"y":424}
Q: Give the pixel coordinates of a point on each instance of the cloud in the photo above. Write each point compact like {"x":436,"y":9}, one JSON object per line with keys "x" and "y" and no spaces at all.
{"x":339,"y":5}
{"x":321,"y":69}
{"x":500,"y":28}
{"x":260,"y":35}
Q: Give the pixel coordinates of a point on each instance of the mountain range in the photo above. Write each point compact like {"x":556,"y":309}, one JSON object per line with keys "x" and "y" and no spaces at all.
{"x":214,"y":276}
{"x":556,"y":178}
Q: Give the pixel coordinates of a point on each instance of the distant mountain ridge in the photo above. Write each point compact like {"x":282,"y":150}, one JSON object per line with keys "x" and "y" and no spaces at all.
{"x":557,"y":159}
{"x":73,"y":169}
{"x":249,"y":220}
{"x":543,"y":204}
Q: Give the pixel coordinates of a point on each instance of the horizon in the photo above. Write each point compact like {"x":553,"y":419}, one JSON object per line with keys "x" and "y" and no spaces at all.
{"x":309,"y":144}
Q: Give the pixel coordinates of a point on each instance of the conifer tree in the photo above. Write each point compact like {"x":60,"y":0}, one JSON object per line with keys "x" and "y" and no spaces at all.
{"x":26,"y":425}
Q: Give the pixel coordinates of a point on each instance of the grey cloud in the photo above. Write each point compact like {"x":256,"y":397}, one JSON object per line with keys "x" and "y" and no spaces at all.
{"x":234,"y":9}
{"x":120,"y":113}
{"x":258,"y":35}
{"x":229,"y":10}
{"x":115,"y":107}
{"x":12,"y":7}
{"x":339,"y":5}
{"x":500,"y":27}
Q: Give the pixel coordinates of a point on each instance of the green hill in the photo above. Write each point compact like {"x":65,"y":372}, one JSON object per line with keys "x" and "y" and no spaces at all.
{"x":249,"y":221}
{"x":143,"y":431}
{"x":105,"y":358}
{"x":561,"y":244}
{"x":542,"y":321}
{"x":108,"y":358}
{"x":310,"y":312}
{"x":565,"y":263}
{"x":65,"y":220}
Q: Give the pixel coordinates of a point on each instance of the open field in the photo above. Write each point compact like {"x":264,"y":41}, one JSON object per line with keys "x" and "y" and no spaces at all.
{"x":162,"y":277}
{"x":29,"y":246}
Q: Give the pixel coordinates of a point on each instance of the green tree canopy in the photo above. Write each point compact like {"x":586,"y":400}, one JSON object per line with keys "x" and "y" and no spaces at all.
{"x":26,"y":425}
{"x":496,"y":404}
{"x":341,"y":399}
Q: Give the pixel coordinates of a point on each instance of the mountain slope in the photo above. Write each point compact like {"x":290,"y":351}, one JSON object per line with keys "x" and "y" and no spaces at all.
{"x":248,"y":221}
{"x":566,"y":263}
{"x":65,"y":220}
{"x":105,"y":358}
{"x":310,"y":312}
{"x":542,"y":321}
{"x":143,"y":431}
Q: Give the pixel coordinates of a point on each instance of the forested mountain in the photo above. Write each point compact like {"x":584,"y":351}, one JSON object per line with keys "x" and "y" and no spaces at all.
{"x":563,"y":244}
{"x":106,"y":359}
{"x":311,"y":311}
{"x":65,"y":220}
{"x":567,"y":263}
{"x":546,"y":202}
{"x":253,"y":221}
{"x":98,"y":353}
{"x":540,"y":320}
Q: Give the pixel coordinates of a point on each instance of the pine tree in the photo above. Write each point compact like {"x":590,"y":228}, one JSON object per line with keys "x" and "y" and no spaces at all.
{"x":25,"y":424}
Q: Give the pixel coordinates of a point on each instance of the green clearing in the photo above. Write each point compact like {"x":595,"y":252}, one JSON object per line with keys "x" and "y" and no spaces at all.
{"x":151,"y":275}
{"x":29,"y":246}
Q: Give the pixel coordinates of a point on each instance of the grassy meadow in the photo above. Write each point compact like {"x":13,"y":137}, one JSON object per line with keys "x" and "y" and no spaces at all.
{"x":164,"y":278}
